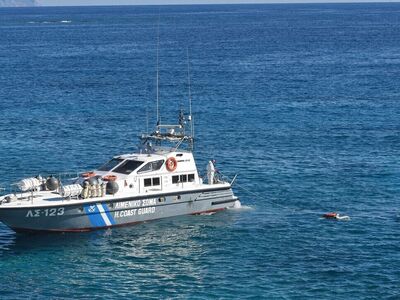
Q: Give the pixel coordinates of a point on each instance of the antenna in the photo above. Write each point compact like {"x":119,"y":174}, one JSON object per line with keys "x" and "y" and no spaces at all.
{"x":147,"y":119}
{"x":158,"y":73}
{"x":190,"y":117}
{"x":190,"y":92}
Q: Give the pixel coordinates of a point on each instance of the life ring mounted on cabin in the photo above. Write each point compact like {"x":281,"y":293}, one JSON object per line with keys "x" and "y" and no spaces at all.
{"x":171,"y":164}
{"x":88,"y":174}
{"x":110,"y":178}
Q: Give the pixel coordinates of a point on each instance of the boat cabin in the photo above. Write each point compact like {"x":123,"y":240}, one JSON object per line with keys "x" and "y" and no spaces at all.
{"x":159,"y":171}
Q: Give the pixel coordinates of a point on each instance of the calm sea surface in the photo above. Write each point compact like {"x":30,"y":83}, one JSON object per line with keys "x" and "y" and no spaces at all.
{"x":303,"y":101}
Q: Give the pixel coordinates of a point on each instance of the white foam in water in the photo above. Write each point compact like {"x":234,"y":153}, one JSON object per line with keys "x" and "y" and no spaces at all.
{"x":50,"y":22}
{"x":207,"y":214}
{"x":343,"y":218}
{"x":239,"y":206}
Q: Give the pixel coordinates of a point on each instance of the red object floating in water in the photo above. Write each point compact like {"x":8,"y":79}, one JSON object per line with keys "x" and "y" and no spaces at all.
{"x":330,"y":215}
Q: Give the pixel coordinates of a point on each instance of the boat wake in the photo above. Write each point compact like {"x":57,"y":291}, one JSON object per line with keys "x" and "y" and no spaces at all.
{"x":239,"y":207}
{"x":207,"y":213}
{"x":50,"y":22}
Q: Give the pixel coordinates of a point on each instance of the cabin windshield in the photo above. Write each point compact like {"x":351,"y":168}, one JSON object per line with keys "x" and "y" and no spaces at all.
{"x":128,"y":166}
{"x":111,"y":164}
{"x":152,"y":166}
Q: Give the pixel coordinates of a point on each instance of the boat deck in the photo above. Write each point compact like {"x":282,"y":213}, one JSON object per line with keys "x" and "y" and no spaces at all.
{"x":48,"y":198}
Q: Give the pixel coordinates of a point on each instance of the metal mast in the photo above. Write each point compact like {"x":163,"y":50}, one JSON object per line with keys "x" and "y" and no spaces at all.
{"x":158,"y":75}
{"x":190,"y":117}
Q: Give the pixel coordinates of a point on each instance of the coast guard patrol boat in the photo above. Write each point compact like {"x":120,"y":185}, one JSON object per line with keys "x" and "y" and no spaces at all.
{"x":160,"y":180}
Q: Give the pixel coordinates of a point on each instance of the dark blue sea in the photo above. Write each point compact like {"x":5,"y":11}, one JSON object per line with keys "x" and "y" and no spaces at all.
{"x":302,"y":101}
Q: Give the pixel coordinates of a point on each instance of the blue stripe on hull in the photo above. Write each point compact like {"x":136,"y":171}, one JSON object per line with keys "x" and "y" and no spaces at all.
{"x":105,"y":207}
{"x":94,"y":215}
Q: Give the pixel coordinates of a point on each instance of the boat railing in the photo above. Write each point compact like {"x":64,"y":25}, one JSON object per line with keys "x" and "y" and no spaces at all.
{"x":68,"y":177}
{"x":8,"y":189}
{"x":173,"y":134}
{"x":64,"y":178}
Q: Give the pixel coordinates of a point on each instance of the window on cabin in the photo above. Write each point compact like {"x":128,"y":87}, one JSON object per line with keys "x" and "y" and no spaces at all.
{"x":152,"y":166}
{"x":175,"y":179}
{"x":128,"y":166}
{"x":152,"y":181}
{"x":156,"y":181}
{"x":111,"y":164}
{"x":183,"y":178}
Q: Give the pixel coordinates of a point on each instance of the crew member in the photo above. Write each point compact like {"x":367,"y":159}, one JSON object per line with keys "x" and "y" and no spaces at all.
{"x":211,"y":170}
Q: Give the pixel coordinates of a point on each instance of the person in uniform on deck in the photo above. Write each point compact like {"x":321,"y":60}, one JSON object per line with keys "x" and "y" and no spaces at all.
{"x":211,"y":170}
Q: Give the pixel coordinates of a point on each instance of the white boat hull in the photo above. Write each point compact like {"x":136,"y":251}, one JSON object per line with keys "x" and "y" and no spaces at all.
{"x":76,"y":217}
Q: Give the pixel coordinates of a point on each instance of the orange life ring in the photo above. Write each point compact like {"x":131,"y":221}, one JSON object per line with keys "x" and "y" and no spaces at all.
{"x":171,"y":164}
{"x":110,"y":178}
{"x":88,"y":174}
